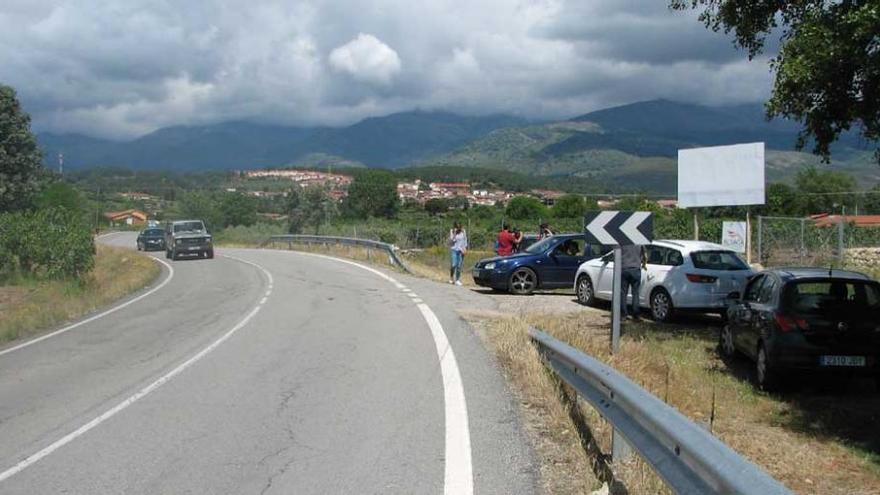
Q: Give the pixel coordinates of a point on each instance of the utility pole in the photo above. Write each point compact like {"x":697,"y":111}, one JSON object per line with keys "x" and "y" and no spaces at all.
{"x":60,"y":164}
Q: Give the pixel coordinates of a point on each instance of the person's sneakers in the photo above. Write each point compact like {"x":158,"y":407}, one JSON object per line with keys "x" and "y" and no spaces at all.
{"x":450,"y":281}
{"x":458,"y":282}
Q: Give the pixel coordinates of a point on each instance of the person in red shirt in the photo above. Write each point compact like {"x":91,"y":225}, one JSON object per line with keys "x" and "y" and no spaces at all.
{"x":506,"y":241}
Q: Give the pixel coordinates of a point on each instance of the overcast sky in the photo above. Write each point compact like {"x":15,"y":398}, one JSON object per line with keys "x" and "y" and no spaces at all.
{"x":120,"y":69}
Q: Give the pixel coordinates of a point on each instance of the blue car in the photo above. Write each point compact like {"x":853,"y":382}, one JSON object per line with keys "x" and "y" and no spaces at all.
{"x":547,"y":264}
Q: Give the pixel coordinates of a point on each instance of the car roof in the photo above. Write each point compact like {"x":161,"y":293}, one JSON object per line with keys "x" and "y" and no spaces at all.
{"x":690,"y":246}
{"x":794,"y":273}
{"x":184,"y":221}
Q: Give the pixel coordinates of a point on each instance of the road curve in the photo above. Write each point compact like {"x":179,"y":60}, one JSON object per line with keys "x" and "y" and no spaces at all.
{"x":258,"y":372}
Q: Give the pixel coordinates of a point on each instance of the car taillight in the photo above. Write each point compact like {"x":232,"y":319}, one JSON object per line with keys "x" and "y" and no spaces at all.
{"x":701,"y":279}
{"x":787,"y":323}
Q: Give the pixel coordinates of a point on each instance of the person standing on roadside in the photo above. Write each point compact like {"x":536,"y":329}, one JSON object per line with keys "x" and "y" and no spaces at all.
{"x":544,"y":231}
{"x":458,"y":244}
{"x":632,"y":262}
{"x":506,"y":241}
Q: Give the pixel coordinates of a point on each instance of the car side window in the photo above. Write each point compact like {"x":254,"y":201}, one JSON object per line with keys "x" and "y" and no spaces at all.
{"x":654,"y":255}
{"x":570,"y":247}
{"x":768,"y":289}
{"x":674,"y":258}
{"x":754,"y":289}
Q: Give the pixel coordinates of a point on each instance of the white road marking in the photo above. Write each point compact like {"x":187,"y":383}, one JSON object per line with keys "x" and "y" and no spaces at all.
{"x":99,"y":315}
{"x":33,"y":458}
{"x":458,"y":475}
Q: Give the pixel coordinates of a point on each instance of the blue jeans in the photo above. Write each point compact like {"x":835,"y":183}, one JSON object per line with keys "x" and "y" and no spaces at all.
{"x":457,"y":258}
{"x":631,"y":277}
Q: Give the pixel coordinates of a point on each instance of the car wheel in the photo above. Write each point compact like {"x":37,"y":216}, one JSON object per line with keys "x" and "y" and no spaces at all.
{"x":661,"y":306}
{"x":585,"y":293}
{"x":766,"y":377}
{"x":725,"y":342}
{"x":209,"y":254}
{"x":523,"y":281}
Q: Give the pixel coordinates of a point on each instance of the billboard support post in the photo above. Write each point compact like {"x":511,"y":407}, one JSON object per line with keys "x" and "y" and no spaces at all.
{"x":749,"y":236}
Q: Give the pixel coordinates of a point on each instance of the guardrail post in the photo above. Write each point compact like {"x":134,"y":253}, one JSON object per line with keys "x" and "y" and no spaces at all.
{"x":369,"y":254}
{"x":760,"y":239}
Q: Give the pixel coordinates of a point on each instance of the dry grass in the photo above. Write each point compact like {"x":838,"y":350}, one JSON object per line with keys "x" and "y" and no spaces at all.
{"x":814,"y":443}
{"x":28,"y":307}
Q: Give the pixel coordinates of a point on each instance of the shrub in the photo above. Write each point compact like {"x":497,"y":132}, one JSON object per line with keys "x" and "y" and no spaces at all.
{"x":53,"y":242}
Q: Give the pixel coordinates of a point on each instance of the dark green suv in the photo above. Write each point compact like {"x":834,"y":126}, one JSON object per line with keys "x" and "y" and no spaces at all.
{"x":188,"y":238}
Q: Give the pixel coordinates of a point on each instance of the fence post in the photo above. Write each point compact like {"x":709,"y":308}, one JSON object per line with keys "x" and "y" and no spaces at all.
{"x":840,"y":234}
{"x":760,"y":239}
{"x":803,"y":251}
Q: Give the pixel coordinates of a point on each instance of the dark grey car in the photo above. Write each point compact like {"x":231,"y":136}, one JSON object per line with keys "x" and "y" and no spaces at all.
{"x":794,"y":321}
{"x":188,"y":238}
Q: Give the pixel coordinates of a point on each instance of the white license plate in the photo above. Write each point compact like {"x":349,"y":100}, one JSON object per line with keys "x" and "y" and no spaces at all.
{"x":476,"y":272}
{"x":842,"y":360}
{"x":193,"y":248}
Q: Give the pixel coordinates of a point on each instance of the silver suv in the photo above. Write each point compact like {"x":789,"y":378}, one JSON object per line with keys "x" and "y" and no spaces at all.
{"x":187,"y":237}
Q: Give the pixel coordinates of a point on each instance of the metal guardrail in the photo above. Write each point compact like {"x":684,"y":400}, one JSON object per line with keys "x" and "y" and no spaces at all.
{"x":688,"y":458}
{"x":344,"y":241}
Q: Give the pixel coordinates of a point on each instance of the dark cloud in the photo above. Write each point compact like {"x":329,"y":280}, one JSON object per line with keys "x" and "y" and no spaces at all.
{"x":120,"y":69}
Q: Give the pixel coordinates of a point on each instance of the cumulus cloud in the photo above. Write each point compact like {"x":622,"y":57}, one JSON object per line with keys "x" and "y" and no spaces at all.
{"x":366,"y":59}
{"x":121,"y":69}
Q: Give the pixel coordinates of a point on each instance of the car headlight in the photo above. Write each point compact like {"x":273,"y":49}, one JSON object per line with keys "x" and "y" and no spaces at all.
{"x":490,"y":266}
{"x":179,"y":241}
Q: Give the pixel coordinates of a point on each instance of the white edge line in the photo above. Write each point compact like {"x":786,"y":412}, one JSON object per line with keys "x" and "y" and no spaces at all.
{"x":458,"y":474}
{"x":33,"y":458}
{"x":99,"y":315}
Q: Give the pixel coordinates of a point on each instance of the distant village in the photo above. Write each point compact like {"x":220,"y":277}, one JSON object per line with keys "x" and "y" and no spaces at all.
{"x":415,"y":191}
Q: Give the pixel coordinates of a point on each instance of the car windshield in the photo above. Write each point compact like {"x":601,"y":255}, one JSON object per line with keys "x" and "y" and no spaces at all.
{"x":718,"y":260}
{"x":153,"y":232}
{"x":189,"y":227}
{"x":540,"y":246}
{"x":832,"y":296}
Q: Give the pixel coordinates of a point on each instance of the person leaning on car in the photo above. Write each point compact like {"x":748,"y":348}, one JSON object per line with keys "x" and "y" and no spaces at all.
{"x":506,"y":241}
{"x":632,"y":262}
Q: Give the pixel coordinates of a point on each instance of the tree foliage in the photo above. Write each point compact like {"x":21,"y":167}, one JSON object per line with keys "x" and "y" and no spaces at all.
{"x":570,"y":206}
{"x":823,"y":191}
{"x":20,"y":159}
{"x":373,"y":193}
{"x":238,"y":210}
{"x":435,"y":206}
{"x":526,"y":208}
{"x":318,"y":207}
{"x":828,"y":65}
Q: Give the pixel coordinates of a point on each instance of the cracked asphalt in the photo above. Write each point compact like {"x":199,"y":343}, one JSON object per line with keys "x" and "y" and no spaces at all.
{"x":334,"y":386}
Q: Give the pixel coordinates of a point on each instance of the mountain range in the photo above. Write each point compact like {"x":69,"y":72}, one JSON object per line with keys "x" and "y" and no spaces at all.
{"x":627,"y":147}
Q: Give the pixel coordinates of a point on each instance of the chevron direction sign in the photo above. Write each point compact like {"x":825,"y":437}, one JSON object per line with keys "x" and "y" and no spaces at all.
{"x":619,"y":228}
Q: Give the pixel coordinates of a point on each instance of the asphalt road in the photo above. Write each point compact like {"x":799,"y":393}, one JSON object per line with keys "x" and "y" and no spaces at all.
{"x":264,"y":372}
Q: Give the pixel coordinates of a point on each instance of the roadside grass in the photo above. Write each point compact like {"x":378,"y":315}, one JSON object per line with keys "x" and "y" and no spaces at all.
{"x":813,"y":442}
{"x":29,"y":306}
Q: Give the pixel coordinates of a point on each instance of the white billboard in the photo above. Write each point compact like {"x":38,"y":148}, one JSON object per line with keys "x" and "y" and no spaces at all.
{"x":721,"y":176}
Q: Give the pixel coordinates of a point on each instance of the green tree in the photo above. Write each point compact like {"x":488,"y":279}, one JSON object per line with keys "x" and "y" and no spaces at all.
{"x":318,"y":207}
{"x":871,"y":202}
{"x":295,"y":218}
{"x":570,"y":206}
{"x":435,"y":206}
{"x":526,"y":208}
{"x":20,"y":160}
{"x":782,"y":200}
{"x":202,"y":206}
{"x":238,"y":209}
{"x":60,"y":194}
{"x":824,"y":191}
{"x":828,"y":65}
{"x":373,"y":193}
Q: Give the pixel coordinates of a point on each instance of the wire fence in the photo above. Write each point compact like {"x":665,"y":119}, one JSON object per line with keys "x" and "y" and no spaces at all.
{"x":793,"y":241}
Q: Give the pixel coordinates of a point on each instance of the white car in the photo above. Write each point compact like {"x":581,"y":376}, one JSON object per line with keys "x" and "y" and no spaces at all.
{"x":681,"y":275}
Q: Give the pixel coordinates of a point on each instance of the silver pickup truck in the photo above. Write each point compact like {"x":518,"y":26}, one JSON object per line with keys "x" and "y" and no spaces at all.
{"x":188,"y":237}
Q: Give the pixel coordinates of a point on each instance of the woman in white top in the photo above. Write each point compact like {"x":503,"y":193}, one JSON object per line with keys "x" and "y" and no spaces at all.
{"x":458,"y":245}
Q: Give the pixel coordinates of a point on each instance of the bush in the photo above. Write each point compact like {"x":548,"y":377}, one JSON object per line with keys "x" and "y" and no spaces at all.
{"x":53,"y":243}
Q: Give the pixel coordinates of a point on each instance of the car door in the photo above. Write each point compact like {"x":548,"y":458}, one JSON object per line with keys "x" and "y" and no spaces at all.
{"x":743,"y":315}
{"x":563,"y":263}
{"x":660,"y":260}
{"x":605,"y":277}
